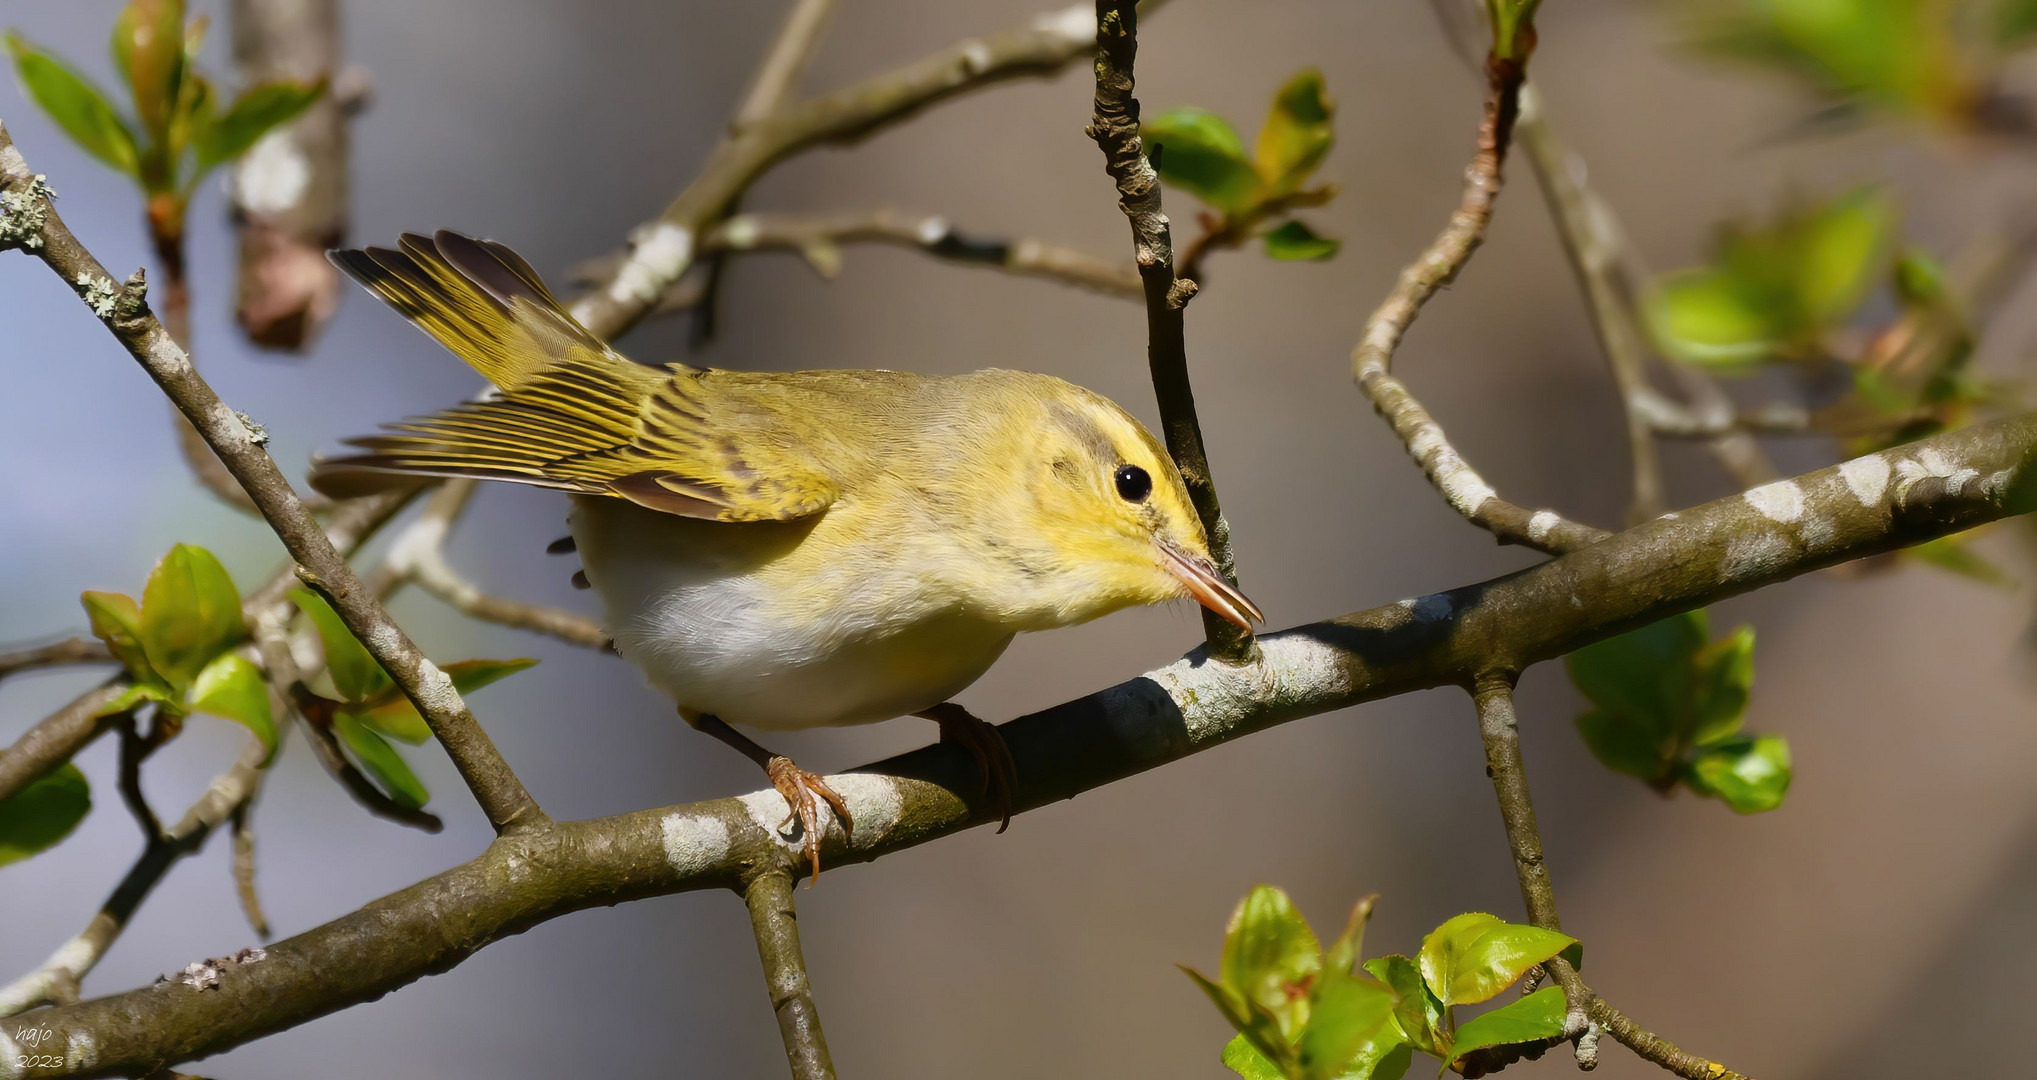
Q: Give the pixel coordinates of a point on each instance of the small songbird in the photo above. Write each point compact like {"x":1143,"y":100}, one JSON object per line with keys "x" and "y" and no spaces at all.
{"x":786,"y":551}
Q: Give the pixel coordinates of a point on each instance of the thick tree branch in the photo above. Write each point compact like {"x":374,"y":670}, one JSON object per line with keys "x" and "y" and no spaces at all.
{"x":663,"y":249}
{"x":769,"y":896}
{"x":1685,"y":560}
{"x":125,"y":313}
{"x":1115,"y":127}
{"x":56,"y":654}
{"x":1371,"y":362}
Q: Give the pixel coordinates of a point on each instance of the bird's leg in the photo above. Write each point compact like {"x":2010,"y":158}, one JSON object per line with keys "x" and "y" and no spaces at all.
{"x":984,"y":743}
{"x":803,"y":791}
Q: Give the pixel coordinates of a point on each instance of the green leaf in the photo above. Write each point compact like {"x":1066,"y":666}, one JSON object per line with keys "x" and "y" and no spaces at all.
{"x":1271,"y":956}
{"x":1513,"y":27}
{"x":1773,"y":289}
{"x":1662,"y":690}
{"x":1344,"y":952}
{"x":142,"y":692}
{"x":1298,"y":133}
{"x":116,"y":620}
{"x":2015,"y":22}
{"x":1748,"y":773}
{"x":233,"y":688}
{"x":1242,"y":1058}
{"x":1954,"y":554}
{"x":1393,"y":1066}
{"x":1295,"y":241}
{"x":76,"y":105}
{"x":381,"y":761}
{"x":1350,"y":1017}
{"x":258,"y":110}
{"x":1722,"y":681}
{"x":1419,"y":1014}
{"x":1253,"y":1022}
{"x":1199,"y":152}
{"x":43,"y":812}
{"x":148,"y":51}
{"x":190,"y":613}
{"x":355,"y":674}
{"x":1474,"y":956}
{"x":1537,"y":1017}
{"x":399,"y":719}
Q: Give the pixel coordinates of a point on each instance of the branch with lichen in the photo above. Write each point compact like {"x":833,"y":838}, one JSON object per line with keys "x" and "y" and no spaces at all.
{"x":125,"y":312}
{"x":665,"y":248}
{"x":1866,"y":506}
{"x":1372,"y":361}
{"x":1115,"y":128}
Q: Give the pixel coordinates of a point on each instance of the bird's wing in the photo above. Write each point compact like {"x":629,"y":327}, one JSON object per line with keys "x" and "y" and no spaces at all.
{"x":569,"y":412}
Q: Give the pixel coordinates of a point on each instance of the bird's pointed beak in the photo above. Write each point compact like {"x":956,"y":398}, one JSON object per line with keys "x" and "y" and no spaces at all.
{"x":1209,"y":588}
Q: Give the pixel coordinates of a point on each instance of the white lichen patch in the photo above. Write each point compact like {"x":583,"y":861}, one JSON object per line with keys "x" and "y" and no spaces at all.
{"x":274,"y":175}
{"x":741,"y":232}
{"x":1996,"y":484}
{"x":1460,"y":484}
{"x":99,"y":293}
{"x":81,"y":1051}
{"x":694,"y":843}
{"x":976,"y":57}
{"x":1931,"y":463}
{"x":874,"y":802}
{"x":1757,"y":556}
{"x":660,"y":256}
{"x":1781,"y":502}
{"x":1542,"y":524}
{"x":24,"y":213}
{"x":1074,"y":25}
{"x":1866,"y":477}
{"x":769,"y":810}
{"x":932,"y":230}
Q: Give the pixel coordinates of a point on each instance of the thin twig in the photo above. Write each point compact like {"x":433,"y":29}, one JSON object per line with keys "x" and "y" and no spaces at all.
{"x":1115,"y":127}
{"x":419,"y":556}
{"x":58,"y":737}
{"x":244,"y":869}
{"x":1591,"y":242}
{"x":125,"y":312}
{"x":664,"y":249}
{"x":816,"y":239}
{"x":1499,"y":730}
{"x":776,"y":924}
{"x":1371,"y":362}
{"x":56,"y":981}
{"x":777,"y":79}
{"x":68,"y":651}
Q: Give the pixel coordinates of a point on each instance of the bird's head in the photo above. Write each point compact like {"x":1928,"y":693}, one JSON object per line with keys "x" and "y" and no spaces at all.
{"x":1099,"y":519}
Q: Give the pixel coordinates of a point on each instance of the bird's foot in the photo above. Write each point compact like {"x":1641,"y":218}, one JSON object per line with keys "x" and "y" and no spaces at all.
{"x":984,"y":743}
{"x":804,"y":793}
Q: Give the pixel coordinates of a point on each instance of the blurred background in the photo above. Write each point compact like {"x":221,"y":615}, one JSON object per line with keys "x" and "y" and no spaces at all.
{"x":1874,"y":926}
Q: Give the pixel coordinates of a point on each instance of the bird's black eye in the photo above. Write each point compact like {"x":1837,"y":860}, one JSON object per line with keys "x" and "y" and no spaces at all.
{"x":1133,"y":483}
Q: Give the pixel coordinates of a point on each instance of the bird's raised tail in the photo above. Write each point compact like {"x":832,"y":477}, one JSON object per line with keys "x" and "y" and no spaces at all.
{"x":477,"y":298}
{"x":564,"y":396}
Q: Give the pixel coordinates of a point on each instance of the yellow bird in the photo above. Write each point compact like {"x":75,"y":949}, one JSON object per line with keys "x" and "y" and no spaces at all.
{"x":793,"y":550}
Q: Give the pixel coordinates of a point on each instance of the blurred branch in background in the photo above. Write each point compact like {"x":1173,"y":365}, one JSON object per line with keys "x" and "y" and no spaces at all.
{"x":57,"y":654}
{"x":1460,"y":485}
{"x":1882,"y":501}
{"x":289,"y":191}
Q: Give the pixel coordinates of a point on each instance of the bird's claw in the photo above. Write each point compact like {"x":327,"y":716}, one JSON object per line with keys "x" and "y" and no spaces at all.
{"x":986,"y":744}
{"x":804,"y":792}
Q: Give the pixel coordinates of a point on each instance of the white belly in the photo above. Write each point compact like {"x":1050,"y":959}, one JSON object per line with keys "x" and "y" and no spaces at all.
{"x":687,"y":603}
